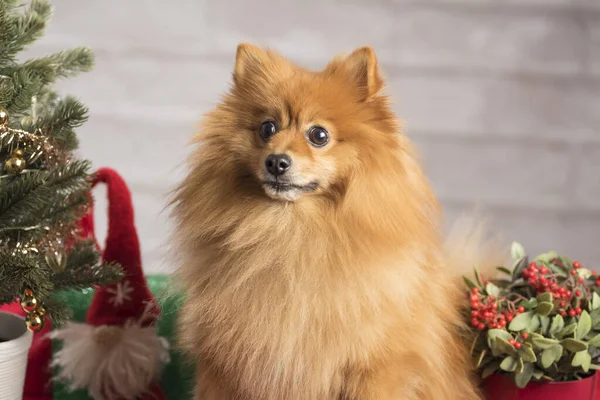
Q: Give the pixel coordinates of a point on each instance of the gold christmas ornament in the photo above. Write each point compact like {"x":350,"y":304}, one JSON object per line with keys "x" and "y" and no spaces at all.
{"x":15,"y":163}
{"x":28,"y":292}
{"x":29,"y":303}
{"x":55,"y":258}
{"x":3,"y":116}
{"x":34,"y":321}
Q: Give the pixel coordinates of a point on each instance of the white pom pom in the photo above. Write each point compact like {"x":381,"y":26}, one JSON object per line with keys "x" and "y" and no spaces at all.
{"x":110,"y":361}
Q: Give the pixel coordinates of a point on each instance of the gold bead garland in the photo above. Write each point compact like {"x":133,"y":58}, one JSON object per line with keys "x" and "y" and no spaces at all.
{"x":34,"y":145}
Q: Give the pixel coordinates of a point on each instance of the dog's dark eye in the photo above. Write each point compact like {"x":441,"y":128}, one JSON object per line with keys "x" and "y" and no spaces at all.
{"x":318,"y":136}
{"x":267,"y":129}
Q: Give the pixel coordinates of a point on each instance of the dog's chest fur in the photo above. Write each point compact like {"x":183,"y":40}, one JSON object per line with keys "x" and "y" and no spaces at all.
{"x":291,"y":318}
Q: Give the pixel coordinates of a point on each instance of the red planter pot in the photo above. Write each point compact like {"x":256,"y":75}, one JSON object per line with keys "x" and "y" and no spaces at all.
{"x":500,"y":387}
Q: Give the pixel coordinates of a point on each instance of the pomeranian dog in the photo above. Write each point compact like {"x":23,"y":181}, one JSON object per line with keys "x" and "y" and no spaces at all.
{"x":309,"y":247}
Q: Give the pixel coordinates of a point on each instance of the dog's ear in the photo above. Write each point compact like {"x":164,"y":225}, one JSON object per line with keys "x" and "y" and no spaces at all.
{"x":361,"y":66}
{"x":249,"y":59}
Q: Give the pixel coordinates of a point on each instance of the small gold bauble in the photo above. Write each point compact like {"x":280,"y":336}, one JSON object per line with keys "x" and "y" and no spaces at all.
{"x":34,"y":321}
{"x":29,"y":303}
{"x":3,"y":116}
{"x":16,"y":163}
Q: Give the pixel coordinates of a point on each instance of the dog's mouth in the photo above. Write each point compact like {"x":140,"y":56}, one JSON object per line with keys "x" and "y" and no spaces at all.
{"x":280,"y":187}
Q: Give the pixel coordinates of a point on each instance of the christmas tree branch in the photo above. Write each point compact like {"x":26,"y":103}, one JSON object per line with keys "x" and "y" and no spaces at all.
{"x":71,"y":62}
{"x":24,"y":201}
{"x":31,"y":77}
{"x":60,"y":124}
{"x":22,"y":269}
{"x":65,"y":213}
{"x":83,"y":269}
{"x":21,"y":30}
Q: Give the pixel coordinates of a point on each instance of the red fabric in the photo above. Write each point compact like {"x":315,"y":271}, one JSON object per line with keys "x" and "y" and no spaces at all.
{"x":122,"y":246}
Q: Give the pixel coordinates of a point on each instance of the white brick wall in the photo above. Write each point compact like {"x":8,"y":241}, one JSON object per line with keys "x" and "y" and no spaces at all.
{"x":502,"y":96}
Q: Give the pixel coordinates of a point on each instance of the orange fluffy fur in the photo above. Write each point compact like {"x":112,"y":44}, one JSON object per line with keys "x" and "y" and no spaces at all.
{"x":342,"y":292}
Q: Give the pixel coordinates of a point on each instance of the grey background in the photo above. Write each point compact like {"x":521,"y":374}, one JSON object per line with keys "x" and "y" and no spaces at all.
{"x":502,"y":97}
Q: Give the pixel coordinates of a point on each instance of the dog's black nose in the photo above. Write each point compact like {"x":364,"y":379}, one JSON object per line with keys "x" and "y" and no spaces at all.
{"x":278,"y":164}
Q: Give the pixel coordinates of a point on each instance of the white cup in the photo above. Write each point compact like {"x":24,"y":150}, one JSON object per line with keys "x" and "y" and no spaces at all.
{"x":15,"y":341}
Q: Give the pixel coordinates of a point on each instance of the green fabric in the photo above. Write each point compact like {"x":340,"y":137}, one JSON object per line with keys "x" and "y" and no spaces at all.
{"x":178,"y":375}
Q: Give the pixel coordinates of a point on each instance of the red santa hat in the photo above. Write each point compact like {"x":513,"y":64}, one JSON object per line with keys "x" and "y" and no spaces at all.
{"x":118,"y":353}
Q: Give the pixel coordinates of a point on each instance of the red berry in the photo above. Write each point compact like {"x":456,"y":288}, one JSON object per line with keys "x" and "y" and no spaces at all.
{"x":578,"y":310}
{"x":576,"y":264}
{"x":532,"y":264}
{"x":554,"y":286}
{"x":562,"y":290}
{"x":594,"y":273}
{"x":474,"y":297}
{"x":481,"y":327}
{"x":509,"y":318}
{"x":598,"y":282}
{"x":525,"y":335}
{"x":494,"y":306}
{"x":512,"y":341}
{"x":475,"y":290}
{"x":544,"y":270}
{"x":518,"y":345}
{"x":563,"y":313}
{"x":562,"y":303}
{"x":521,"y":309}
{"x":580,"y":280}
{"x":526,"y":274}
{"x":568,"y":293}
{"x":578,"y":293}
{"x":532,"y":281}
{"x":502,"y":323}
{"x":572,"y":313}
{"x":573,"y":272}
